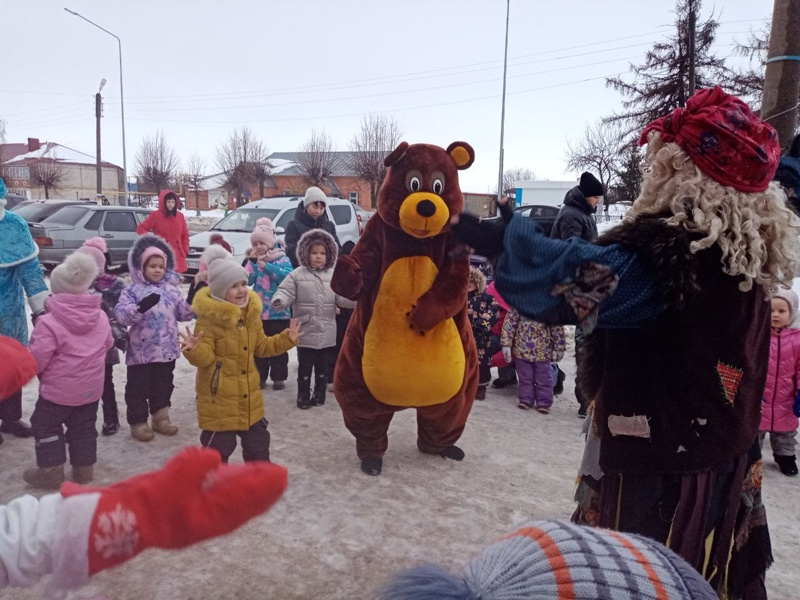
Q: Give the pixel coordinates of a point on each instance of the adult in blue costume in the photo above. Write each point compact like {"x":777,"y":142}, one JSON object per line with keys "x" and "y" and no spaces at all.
{"x":20,"y":273}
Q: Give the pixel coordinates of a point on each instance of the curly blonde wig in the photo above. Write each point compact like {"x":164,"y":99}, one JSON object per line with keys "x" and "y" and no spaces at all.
{"x":757,"y":233}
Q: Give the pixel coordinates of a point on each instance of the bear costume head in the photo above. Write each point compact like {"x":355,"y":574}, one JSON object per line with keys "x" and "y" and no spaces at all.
{"x":420,"y":192}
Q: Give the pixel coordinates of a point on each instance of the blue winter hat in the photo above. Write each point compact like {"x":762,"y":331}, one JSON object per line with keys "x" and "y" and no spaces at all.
{"x":3,"y":189}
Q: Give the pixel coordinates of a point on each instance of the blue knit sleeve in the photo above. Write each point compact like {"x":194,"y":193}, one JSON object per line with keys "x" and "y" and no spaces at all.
{"x":574,"y":282}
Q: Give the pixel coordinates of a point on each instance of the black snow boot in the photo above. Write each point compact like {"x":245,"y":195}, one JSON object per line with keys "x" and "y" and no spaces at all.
{"x":304,"y":393}
{"x":453,"y":453}
{"x":318,"y":398}
{"x":787,"y":465}
{"x":372,"y":465}
{"x":558,"y":389}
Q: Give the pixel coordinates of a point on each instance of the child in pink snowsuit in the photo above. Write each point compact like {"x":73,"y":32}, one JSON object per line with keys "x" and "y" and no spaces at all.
{"x":781,"y":406}
{"x":69,"y":344}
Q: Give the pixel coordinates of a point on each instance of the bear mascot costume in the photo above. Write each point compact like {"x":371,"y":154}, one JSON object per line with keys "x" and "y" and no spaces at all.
{"x":409,"y":343}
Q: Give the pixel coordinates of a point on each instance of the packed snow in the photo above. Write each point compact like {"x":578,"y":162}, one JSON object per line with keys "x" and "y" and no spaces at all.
{"x":338,"y":533}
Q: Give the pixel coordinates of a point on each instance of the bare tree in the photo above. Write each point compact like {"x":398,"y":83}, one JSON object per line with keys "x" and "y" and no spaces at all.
{"x":195,"y":171}
{"x":511,"y":176}
{"x":156,"y":162}
{"x":242,"y":159}
{"x":599,"y":151}
{"x":748,"y":83}
{"x":48,"y":174}
{"x":379,"y":135}
{"x":316,"y":158}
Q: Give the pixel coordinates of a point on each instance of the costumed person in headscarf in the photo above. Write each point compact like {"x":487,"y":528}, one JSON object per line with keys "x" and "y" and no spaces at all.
{"x":674,"y":304}
{"x":20,"y":276}
{"x":80,"y":531}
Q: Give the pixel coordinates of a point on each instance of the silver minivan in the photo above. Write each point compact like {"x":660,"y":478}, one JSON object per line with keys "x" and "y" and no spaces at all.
{"x":238,"y":225}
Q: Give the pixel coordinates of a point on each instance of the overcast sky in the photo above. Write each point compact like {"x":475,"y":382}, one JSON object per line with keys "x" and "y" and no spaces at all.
{"x":198,"y":68}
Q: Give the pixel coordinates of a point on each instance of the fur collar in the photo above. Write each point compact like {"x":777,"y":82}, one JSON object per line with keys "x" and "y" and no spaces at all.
{"x":223,"y":313}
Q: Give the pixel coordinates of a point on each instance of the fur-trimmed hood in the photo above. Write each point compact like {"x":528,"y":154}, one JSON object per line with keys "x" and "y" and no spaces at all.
{"x":223,"y":313}
{"x":312,"y":238}
{"x":477,"y":278}
{"x":135,"y":256}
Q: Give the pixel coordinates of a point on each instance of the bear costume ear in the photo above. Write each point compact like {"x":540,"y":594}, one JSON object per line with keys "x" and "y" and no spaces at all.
{"x":396,"y":154}
{"x":462,"y":153}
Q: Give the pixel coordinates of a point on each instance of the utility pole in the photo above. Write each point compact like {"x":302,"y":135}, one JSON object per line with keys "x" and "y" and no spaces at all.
{"x":503,"y":112}
{"x":692,"y":52}
{"x":782,"y":75}
{"x":98,"y":112}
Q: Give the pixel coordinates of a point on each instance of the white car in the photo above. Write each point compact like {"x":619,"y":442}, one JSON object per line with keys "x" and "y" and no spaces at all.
{"x":238,"y":225}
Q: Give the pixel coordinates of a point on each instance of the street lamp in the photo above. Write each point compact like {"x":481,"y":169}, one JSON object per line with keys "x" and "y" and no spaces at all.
{"x":503,"y":113}
{"x":121,"y":103}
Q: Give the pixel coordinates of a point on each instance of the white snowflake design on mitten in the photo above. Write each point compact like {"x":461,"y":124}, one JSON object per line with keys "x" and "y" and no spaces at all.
{"x":118,"y":535}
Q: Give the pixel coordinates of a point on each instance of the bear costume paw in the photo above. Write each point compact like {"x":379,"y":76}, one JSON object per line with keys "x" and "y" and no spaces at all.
{"x":372,"y":465}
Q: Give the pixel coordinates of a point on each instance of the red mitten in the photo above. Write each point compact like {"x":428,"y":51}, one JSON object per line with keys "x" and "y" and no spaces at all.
{"x":347,"y":278}
{"x":17,"y":366}
{"x":193,"y":498}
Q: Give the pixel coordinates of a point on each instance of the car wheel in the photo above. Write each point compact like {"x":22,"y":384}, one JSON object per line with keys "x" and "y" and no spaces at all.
{"x":348,"y":248}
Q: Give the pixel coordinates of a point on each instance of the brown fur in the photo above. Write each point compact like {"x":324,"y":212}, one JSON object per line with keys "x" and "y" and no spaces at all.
{"x":358,"y":277}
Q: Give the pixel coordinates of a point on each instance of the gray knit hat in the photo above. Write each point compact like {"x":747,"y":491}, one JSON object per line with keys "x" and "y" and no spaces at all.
{"x":75,"y":275}
{"x":550,"y":560}
{"x":223,"y":271}
{"x":791,"y":299}
{"x":314,"y":194}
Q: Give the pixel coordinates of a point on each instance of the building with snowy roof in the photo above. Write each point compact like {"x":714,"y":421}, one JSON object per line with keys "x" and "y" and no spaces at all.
{"x":56,"y":171}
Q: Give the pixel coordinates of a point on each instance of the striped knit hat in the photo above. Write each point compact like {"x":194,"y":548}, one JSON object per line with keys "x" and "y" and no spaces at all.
{"x":552,"y":560}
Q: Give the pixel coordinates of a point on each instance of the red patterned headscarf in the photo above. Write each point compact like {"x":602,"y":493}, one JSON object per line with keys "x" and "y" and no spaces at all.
{"x":723,"y":138}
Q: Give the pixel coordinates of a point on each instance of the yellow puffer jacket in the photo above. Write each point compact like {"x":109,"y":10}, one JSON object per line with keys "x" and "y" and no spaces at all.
{"x":228,"y":394}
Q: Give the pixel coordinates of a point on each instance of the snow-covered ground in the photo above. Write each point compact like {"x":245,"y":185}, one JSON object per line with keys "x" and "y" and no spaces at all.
{"x":338,"y":533}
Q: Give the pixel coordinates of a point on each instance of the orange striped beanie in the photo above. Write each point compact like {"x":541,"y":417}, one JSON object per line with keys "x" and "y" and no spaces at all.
{"x":553,"y":560}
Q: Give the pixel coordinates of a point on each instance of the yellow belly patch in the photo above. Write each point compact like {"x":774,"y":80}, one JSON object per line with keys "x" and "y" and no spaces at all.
{"x":402,"y":367}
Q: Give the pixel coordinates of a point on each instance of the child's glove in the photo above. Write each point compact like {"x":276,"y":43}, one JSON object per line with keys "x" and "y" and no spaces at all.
{"x":148,"y":302}
{"x":796,"y":408}
{"x":485,"y":236}
{"x":507,"y":354}
{"x":193,"y":498}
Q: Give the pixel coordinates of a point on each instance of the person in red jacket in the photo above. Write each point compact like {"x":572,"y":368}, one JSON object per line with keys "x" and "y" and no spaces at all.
{"x":168,"y":223}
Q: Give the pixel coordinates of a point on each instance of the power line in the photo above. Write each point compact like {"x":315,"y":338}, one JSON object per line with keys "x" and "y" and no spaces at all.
{"x":389,"y":111}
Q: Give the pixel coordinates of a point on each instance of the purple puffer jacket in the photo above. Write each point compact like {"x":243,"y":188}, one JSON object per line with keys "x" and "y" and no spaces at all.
{"x":782,"y":380}
{"x":153,"y":336}
{"x":69,"y":344}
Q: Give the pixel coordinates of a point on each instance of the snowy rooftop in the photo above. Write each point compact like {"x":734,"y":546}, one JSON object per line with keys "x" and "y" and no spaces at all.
{"x":59,"y":153}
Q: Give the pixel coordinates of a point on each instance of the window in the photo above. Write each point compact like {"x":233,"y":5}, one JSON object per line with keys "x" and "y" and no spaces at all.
{"x":119,"y":221}
{"x":285,"y":218}
{"x":353,"y":197}
{"x":16,"y":173}
{"x":244,"y":219}
{"x":141,"y":216}
{"x":341,"y":214}
{"x":287,"y":192}
{"x":69,"y":215}
{"x":93,"y":224}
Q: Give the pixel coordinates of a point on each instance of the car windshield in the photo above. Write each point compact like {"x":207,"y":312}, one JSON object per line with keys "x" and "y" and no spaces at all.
{"x":31,"y":211}
{"x":69,"y":215}
{"x":244,"y":219}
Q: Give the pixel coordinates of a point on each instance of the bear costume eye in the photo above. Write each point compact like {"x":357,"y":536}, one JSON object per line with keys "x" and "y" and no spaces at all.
{"x":438,"y":186}
{"x":414,"y":184}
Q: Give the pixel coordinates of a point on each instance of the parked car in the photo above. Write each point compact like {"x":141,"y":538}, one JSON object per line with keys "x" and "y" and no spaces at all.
{"x":36,"y":211}
{"x":363,"y":217}
{"x":66,"y":229}
{"x":13,"y":200}
{"x":238,"y":225}
{"x":543,"y":214}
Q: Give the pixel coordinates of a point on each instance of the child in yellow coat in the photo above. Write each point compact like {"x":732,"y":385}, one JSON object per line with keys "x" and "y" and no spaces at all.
{"x":227,"y":336}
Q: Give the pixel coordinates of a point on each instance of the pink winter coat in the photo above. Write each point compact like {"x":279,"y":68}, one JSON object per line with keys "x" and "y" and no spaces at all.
{"x":69,"y":344}
{"x":782,"y":379}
